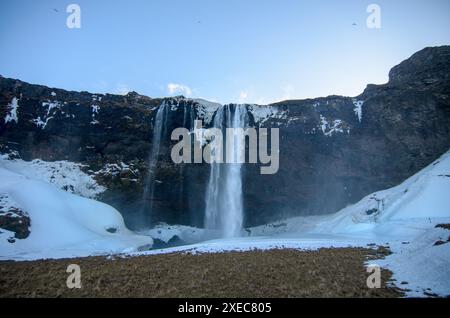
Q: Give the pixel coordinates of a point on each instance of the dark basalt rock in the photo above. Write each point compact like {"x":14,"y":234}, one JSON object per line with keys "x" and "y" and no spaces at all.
{"x":440,"y":242}
{"x":174,"y":241}
{"x":372,"y":211}
{"x":111,"y":230}
{"x":17,"y":221}
{"x":404,"y":127}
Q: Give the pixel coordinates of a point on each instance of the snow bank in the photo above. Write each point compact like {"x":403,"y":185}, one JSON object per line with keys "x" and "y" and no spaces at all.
{"x":63,"y":224}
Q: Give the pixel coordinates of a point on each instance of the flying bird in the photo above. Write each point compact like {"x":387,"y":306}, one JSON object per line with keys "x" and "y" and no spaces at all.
{"x":56,"y":10}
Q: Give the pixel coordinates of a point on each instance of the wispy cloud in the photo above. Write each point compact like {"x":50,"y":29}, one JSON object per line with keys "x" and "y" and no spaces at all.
{"x":243,"y":95}
{"x":174,"y":88}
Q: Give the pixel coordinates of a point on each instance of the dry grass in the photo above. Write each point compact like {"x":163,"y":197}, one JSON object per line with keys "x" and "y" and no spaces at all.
{"x":274,"y":273}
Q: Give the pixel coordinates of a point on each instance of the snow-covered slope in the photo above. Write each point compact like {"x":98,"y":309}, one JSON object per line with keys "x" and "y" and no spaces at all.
{"x":62,"y":224}
{"x":425,"y":195}
{"x":404,"y":217}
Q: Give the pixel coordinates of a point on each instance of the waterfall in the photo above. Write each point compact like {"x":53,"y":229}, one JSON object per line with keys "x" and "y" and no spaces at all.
{"x":224,"y":200}
{"x":149,"y":186}
{"x":188,"y":117}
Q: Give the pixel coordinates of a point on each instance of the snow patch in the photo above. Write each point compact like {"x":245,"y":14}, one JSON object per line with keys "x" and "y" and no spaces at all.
{"x":51,"y":105}
{"x":262,"y":113}
{"x":336,"y":126}
{"x":206,"y":109}
{"x":9,"y":207}
{"x":41,"y":122}
{"x":95,"y":110}
{"x":115,"y":170}
{"x":96,"y":98}
{"x":12,"y":111}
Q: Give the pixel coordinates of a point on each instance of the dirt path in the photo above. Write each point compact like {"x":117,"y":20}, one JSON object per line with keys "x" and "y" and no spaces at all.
{"x":274,"y":273}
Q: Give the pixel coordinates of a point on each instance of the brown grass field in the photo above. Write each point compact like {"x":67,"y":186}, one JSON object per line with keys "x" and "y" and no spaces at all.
{"x":329,"y":272}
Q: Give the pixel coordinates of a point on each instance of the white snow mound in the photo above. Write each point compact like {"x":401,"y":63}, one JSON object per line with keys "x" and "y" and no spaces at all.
{"x":63,"y":224}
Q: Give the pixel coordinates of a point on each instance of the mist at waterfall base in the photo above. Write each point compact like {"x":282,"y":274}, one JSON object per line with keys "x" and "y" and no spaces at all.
{"x":222,"y":215}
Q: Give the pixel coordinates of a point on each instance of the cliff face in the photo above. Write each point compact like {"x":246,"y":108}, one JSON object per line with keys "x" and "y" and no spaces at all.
{"x":333,"y":150}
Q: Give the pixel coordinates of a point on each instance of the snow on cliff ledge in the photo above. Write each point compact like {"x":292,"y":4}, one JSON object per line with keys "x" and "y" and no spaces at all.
{"x":65,"y":175}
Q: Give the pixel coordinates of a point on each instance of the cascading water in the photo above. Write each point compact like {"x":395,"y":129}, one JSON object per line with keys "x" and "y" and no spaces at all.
{"x":149,"y":189}
{"x":188,"y":118}
{"x":224,"y":200}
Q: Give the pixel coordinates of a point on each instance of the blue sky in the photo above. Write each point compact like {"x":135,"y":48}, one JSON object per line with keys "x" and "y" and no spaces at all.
{"x":228,"y":51}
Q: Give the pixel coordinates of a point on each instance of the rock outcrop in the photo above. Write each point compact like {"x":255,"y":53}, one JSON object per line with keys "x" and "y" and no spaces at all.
{"x":333,"y":150}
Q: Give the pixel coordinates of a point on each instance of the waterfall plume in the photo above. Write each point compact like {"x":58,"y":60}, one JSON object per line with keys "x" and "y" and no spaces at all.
{"x":224,"y":199}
